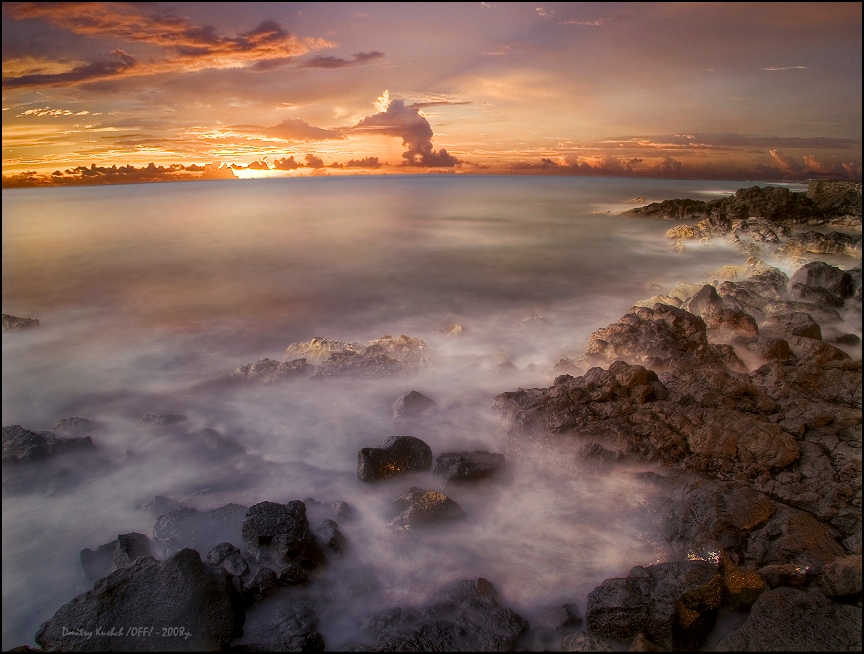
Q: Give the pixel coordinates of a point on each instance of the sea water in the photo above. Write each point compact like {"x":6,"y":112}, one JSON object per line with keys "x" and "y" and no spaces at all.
{"x":146,"y":294}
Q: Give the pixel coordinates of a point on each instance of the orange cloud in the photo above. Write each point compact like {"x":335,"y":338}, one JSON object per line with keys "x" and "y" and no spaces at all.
{"x":92,"y":175}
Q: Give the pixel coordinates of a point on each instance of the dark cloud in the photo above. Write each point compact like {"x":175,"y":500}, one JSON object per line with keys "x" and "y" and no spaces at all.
{"x":285,"y":163}
{"x":368,"y":162}
{"x":92,"y":175}
{"x":120,"y":64}
{"x":313,"y":162}
{"x":415,"y":132}
{"x":338,"y":62}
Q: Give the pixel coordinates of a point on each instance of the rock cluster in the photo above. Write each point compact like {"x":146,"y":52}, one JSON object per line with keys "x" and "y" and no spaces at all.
{"x":13,"y":323}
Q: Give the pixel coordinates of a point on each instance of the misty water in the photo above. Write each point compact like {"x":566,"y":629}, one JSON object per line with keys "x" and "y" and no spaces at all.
{"x":149,"y":294}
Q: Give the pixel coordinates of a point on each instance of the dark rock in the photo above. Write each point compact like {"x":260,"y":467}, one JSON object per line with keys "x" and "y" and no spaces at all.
{"x":582,"y":642}
{"x":771,"y":349}
{"x":505,"y":367}
{"x":642,"y":644}
{"x":671,"y":210}
{"x":282,"y":626}
{"x":395,"y":456}
{"x":159,"y":505}
{"x":467,"y":619}
{"x":741,"y":588}
{"x":842,"y":577}
{"x":292,"y":574}
{"x":819,"y":274}
{"x":260,"y":585}
{"x":76,"y":426}
{"x":21,"y":444}
{"x":280,"y":533}
{"x":836,"y":197}
{"x":838,"y":243}
{"x":786,"y":619}
{"x":268,"y":371}
{"x":847,"y":339}
{"x":814,"y":294}
{"x":673,"y":604}
{"x":97,"y":563}
{"x":229,"y":557}
{"x":333,"y":540}
{"x":343,"y":510}
{"x":422,"y":508}
{"x":412,"y":404}
{"x":186,"y":527}
{"x":796,"y":323}
{"x":161,"y":420}
{"x":558,"y":618}
{"x":468,"y":466}
{"x":13,"y":323}
{"x":179,"y":592}
{"x":785,"y":574}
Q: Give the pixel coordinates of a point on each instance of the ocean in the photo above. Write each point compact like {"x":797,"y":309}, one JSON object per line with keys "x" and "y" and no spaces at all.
{"x":149,"y":294}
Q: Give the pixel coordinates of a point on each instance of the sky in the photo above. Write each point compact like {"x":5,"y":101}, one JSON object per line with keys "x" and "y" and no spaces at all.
{"x":136,"y":92}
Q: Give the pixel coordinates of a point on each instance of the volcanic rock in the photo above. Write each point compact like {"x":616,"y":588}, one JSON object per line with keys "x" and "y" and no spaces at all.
{"x":229,"y":557}
{"x":290,"y":625}
{"x":280,"y":533}
{"x":842,"y":577}
{"x":583,"y":642}
{"x":395,"y":456}
{"x":161,"y":420}
{"x":422,"y":508}
{"x":412,"y":404}
{"x":836,"y":197}
{"x":186,"y":527}
{"x":268,"y":371}
{"x":468,"y":466}
{"x":381,"y":357}
{"x":333,"y":540}
{"x":13,"y":323}
{"x":181,"y":591}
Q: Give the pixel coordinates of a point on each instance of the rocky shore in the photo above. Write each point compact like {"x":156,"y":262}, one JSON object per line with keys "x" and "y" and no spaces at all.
{"x":741,"y":393}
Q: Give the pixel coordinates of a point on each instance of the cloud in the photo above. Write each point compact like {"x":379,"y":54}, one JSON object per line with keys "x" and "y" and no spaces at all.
{"x":395,"y":119}
{"x":120,"y":64}
{"x":338,"y":62}
{"x":787,"y":68}
{"x":294,"y":129}
{"x":503,"y":50}
{"x":48,"y":111}
{"x":285,"y":164}
{"x":258,"y":165}
{"x":186,"y":47}
{"x":787,"y":164}
{"x":585,"y":23}
{"x":314,"y":162}
{"x":368,"y":162}
{"x":93,"y":175}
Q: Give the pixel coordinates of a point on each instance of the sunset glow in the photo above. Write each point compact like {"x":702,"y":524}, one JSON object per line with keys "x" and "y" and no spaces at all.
{"x":692,"y":90}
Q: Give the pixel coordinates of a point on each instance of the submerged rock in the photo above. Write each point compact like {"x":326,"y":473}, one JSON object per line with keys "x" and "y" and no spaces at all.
{"x":119,"y":553}
{"x":183,"y":527}
{"x":468,"y":466}
{"x":379,"y":358}
{"x":268,"y":371}
{"x":196,"y":605}
{"x":395,"y":456}
{"x":412,"y":404}
{"x":13,"y":323}
{"x":422,"y":508}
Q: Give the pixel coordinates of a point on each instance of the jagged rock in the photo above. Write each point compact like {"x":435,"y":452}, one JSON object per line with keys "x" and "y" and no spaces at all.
{"x":319,"y":348}
{"x":76,"y":427}
{"x":770,"y":349}
{"x":642,"y":644}
{"x":558,"y":618}
{"x":819,"y":274}
{"x":342,"y":510}
{"x":466,"y":619}
{"x":229,"y":557}
{"x":582,"y":642}
{"x":329,"y":534}
{"x":381,"y":357}
{"x":395,"y":456}
{"x":412,"y":404}
{"x":186,"y":527}
{"x":818,"y":243}
{"x":260,"y":585}
{"x":161,"y":420}
{"x":786,"y":619}
{"x":659,"y":299}
{"x":421,"y":508}
{"x":288,"y":626}
{"x":671,"y":210}
{"x":785,"y":574}
{"x":280,"y":533}
{"x":268,"y":371}
{"x":468,"y":466}
{"x":674,"y":604}
{"x":22,"y":445}
{"x":842,"y":577}
{"x":159,"y":505}
{"x":797,"y":323}
{"x":292,"y":574}
{"x":836,"y":197}
{"x":179,"y":592}
{"x":13,"y":323}
{"x":741,"y":588}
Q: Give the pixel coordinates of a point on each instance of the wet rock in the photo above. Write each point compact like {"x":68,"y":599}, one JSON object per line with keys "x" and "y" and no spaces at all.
{"x":842,"y":577}
{"x":181,"y":591}
{"x":292,"y":574}
{"x":280,"y":533}
{"x":229,"y":557}
{"x":268,"y":371}
{"x":412,"y":404}
{"x":466,"y":619}
{"x":333,"y":540}
{"x":786,"y":574}
{"x":468,"y":466}
{"x":741,"y":588}
{"x":642,"y":644}
{"x":836,"y":197}
{"x":260,"y":585}
{"x":786,"y":619}
{"x":838,"y":243}
{"x":186,"y":527}
{"x":382,"y":357}
{"x":819,"y":274}
{"x":421,"y":508}
{"x":505,"y":367}
{"x":671,"y":210}
{"x":395,"y":456}
{"x":847,"y":339}
{"x":583,"y":642}
{"x":76,"y":427}
{"x":771,"y":349}
{"x":674,"y":604}
{"x":796,"y":323}
{"x":161,"y":420}
{"x":22,"y":445}
{"x":13,"y":323}
{"x":284,"y":626}
{"x":342,"y":510}
{"x":558,"y":618}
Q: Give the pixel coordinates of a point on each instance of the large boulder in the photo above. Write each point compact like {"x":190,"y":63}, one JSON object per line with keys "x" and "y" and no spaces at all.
{"x":422,"y":508}
{"x":119,"y":553}
{"x":289,"y":625}
{"x":468,"y":466}
{"x":180,"y":604}
{"x":412,"y":404}
{"x":786,"y":619}
{"x":674,"y":604}
{"x":819,"y":274}
{"x":280,"y":533}
{"x":397,"y":455}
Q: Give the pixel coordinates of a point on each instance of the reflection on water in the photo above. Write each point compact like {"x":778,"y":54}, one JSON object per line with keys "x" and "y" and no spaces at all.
{"x":146,"y":293}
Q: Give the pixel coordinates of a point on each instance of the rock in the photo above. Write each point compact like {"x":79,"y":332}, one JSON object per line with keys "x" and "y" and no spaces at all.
{"x":642,"y":644}
{"x":819,"y":274}
{"x":558,"y":618}
{"x":382,"y":357}
{"x":395,"y":456}
{"x":159,"y":505}
{"x":412,"y":404}
{"x":195,"y":603}
{"x":229,"y":557}
{"x":342,"y":510}
{"x":835,"y":197}
{"x":659,"y":299}
{"x":280,"y":533}
{"x":842,"y":577}
{"x":22,"y":445}
{"x":468,"y":466}
{"x":565,"y":366}
{"x":505,"y":367}
{"x":329,"y":534}
{"x":785,"y":574}
{"x":796,"y":323}
{"x":260,"y":585}
{"x":674,"y":604}
{"x":268,"y":371}
{"x":671,"y":210}
{"x":319,"y":348}
{"x":847,"y":339}
{"x":452,"y":330}
{"x":786,"y":619}
{"x":741,"y":588}
{"x":161,"y":420}
{"x":771,"y":349}
{"x":76,"y":427}
{"x":837,"y":243}
{"x":287,"y":626}
{"x":421,"y":508}
{"x":292,"y":574}
{"x":13,"y":323}
{"x":582,"y":642}
{"x":468,"y":618}
{"x":186,"y":527}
